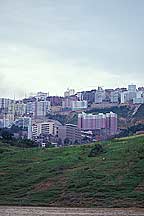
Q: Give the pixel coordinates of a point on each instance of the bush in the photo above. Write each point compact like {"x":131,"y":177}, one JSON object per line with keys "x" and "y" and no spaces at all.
{"x":98,"y":149}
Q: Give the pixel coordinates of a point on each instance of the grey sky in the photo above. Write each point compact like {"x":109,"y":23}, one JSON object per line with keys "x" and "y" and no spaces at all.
{"x":50,"y":45}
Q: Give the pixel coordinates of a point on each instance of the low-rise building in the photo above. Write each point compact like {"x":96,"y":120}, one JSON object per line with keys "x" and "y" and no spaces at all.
{"x":46,"y":128}
{"x":79,"y":105}
{"x":69,"y":134}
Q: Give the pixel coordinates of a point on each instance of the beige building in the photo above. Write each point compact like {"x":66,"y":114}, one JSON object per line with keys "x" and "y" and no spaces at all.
{"x":46,"y":128}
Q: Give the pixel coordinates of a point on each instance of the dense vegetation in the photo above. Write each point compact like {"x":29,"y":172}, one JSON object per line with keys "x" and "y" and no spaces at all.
{"x":122,"y":111}
{"x":112,"y":177}
{"x":131,"y":130}
{"x":140,"y":113}
{"x":7,"y":137}
{"x":65,"y":119}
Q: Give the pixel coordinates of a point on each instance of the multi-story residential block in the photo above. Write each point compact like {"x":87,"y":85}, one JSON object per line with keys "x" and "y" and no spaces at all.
{"x":19,"y":108}
{"x":99,"y":95}
{"x":67,"y":104}
{"x":38,"y":109}
{"x":25,"y":123}
{"x":114,"y":97}
{"x":69,"y":92}
{"x":79,"y":105}
{"x":49,"y":127}
{"x":131,"y":92}
{"x":6,"y":120}
{"x":6,"y":105}
{"x":138,"y":100}
{"x":69,"y":134}
{"x":31,"y":108}
{"x":92,"y":122}
{"x":42,"y":108}
{"x":79,"y":95}
{"x":132,"y":95}
{"x":139,"y":97}
{"x":55,"y":100}
{"x":124,"y":97}
{"x":71,"y":103}
{"x":88,"y":96}
{"x":41,"y":96}
{"x":132,"y":88}
{"x":56,"y":109}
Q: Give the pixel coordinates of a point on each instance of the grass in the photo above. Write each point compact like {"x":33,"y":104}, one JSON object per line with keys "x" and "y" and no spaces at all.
{"x":68,"y":177}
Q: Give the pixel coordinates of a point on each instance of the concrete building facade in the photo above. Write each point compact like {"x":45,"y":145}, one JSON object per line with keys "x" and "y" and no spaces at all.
{"x":92,"y":122}
{"x":69,"y":134}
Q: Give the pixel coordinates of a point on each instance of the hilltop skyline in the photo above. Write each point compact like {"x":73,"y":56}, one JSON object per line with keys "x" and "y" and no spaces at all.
{"x":50,"y":45}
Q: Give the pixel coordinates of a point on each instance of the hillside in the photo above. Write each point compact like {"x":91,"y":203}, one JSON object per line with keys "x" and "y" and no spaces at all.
{"x":127,"y":115}
{"x":140,"y":112}
{"x":68,"y":177}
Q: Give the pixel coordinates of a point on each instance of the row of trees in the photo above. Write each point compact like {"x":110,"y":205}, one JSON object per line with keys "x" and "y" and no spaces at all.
{"x":7,"y":135}
{"x":131,"y":130}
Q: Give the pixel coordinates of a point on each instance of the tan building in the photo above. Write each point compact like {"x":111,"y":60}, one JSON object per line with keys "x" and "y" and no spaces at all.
{"x":46,"y":128}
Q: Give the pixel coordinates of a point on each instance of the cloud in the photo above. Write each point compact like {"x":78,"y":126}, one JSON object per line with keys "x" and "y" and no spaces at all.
{"x":50,"y":45}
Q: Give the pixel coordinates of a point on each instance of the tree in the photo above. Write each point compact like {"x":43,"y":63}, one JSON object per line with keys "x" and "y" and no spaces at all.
{"x":6,"y":134}
{"x":66,"y":141}
{"x":98,"y":149}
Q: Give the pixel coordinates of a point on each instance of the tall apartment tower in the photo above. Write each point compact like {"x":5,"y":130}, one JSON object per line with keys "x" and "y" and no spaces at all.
{"x":131,"y":92}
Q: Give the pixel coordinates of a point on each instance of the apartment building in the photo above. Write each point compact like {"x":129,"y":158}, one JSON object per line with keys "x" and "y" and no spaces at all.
{"x":69,"y":92}
{"x":100,"y":121}
{"x":79,"y":105}
{"x":99,"y":95}
{"x":45,"y":128}
{"x":38,"y":109}
{"x":69,"y":134}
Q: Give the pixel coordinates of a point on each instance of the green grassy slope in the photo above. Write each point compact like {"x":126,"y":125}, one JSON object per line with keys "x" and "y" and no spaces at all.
{"x":68,"y":177}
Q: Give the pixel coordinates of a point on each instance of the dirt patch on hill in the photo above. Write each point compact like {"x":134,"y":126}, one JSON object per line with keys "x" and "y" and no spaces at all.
{"x":42,"y":186}
{"x":3,"y":173}
{"x":140,"y":187}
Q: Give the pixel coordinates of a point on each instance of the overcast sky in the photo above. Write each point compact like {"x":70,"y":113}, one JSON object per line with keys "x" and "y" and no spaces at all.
{"x":49,"y":45}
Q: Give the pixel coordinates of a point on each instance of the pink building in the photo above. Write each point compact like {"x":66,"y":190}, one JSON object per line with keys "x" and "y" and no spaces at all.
{"x":100,"y":121}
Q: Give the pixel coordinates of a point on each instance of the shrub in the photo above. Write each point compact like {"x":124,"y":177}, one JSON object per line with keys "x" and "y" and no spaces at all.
{"x":98,"y":149}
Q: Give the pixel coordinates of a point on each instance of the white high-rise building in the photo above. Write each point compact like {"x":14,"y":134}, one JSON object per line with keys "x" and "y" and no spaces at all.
{"x":99,"y":95}
{"x":19,"y":108}
{"x":69,"y":92}
{"x":131,"y":92}
{"x":38,"y":109}
{"x":78,"y":105}
{"x":31,"y":108}
{"x":131,"y":88}
{"x":124,"y":97}
{"x":79,"y":96}
{"x":114,"y":97}
{"x":6,"y":105}
{"x":42,"y":108}
{"x":139,"y":98}
{"x":41,"y":95}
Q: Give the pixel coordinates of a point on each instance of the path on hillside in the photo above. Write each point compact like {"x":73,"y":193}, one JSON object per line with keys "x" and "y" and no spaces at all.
{"x":44,"y":211}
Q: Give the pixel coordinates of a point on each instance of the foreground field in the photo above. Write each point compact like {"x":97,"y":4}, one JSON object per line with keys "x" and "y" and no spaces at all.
{"x":37,"y":211}
{"x":68,"y":177}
